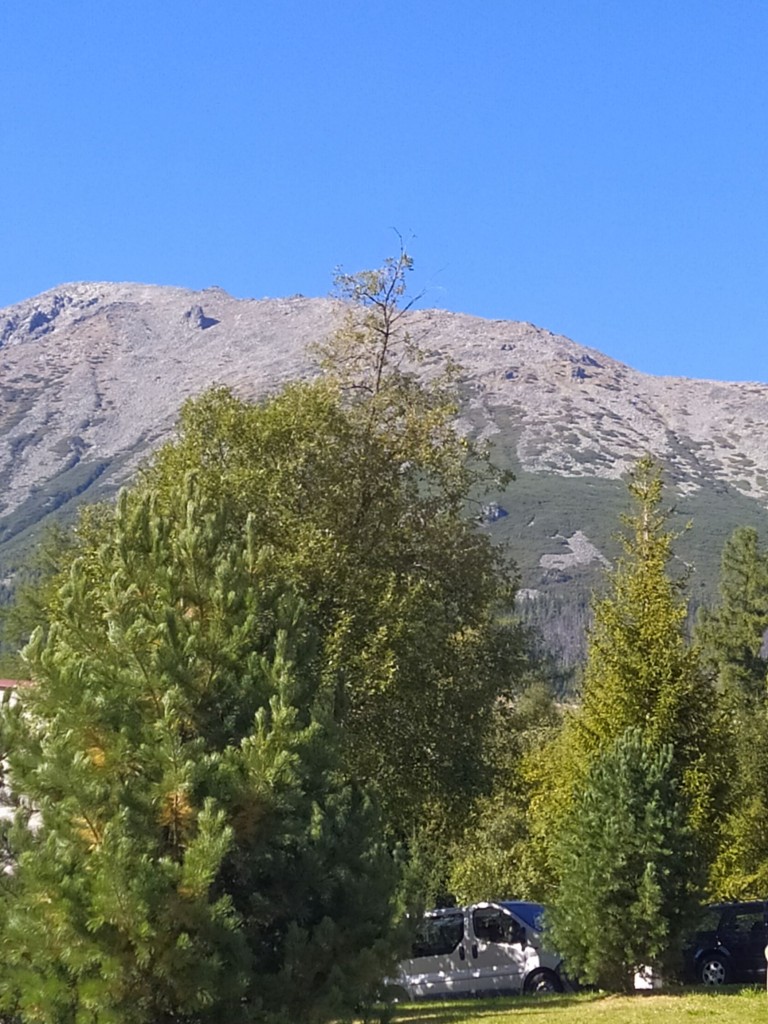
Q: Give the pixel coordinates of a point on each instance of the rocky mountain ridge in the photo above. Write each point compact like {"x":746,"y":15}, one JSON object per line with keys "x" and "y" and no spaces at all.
{"x":92,"y":376}
{"x":103,"y":367}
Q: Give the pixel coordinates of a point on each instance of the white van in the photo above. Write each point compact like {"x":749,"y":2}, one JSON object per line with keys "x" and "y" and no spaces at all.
{"x":484,"y":949}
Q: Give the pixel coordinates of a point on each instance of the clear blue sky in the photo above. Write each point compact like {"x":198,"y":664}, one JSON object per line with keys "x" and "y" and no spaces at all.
{"x":598,"y":167}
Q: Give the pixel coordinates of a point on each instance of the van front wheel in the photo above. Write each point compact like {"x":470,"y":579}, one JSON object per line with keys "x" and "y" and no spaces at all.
{"x":541,"y":981}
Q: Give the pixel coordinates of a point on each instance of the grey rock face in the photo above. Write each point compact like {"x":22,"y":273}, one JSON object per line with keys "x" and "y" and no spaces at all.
{"x":98,"y":371}
{"x":92,"y":377}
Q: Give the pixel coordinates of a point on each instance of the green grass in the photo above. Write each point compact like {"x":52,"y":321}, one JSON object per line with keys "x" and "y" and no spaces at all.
{"x":730,"y":1006}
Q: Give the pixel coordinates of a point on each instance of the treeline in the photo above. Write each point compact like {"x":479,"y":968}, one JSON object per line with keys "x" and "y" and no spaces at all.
{"x":280,"y":698}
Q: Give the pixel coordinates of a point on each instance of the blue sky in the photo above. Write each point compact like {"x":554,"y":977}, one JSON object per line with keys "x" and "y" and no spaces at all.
{"x":597,"y":167}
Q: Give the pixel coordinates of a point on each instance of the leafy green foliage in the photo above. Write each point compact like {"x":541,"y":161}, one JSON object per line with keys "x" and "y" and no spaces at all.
{"x":216,"y":665}
{"x":197,"y":852}
{"x":740,"y":867}
{"x":626,"y":865}
{"x":487,"y":854}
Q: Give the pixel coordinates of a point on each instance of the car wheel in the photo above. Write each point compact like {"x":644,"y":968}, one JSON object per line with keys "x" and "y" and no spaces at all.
{"x":713,"y":969}
{"x":542,"y":981}
{"x":394,"y":994}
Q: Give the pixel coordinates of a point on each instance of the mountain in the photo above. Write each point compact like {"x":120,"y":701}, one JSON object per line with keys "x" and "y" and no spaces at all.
{"x":92,"y":377}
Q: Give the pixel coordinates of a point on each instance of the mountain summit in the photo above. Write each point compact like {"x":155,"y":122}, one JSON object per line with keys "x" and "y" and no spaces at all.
{"x":92,"y":376}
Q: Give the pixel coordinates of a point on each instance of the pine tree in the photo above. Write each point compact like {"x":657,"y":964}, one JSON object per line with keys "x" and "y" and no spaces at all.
{"x":627,"y":867}
{"x":641,"y":672}
{"x":197,"y":851}
{"x":731,"y":636}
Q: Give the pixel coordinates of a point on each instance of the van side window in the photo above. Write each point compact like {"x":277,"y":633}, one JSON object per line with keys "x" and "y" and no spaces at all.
{"x":439,"y":935}
{"x":494,"y":925}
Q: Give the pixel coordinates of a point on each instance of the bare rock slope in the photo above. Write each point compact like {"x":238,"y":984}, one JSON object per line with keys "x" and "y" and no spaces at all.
{"x":92,"y":377}
{"x":95,"y":373}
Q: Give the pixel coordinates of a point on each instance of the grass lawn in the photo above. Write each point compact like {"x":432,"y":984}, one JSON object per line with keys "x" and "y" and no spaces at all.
{"x":731,"y":1006}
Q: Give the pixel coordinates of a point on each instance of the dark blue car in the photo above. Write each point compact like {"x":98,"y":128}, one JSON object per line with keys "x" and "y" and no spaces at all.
{"x":729,"y":945}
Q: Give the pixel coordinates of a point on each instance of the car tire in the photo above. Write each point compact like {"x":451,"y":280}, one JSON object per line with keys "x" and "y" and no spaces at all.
{"x":542,"y":981}
{"x":394,"y":994}
{"x":714,"y":970}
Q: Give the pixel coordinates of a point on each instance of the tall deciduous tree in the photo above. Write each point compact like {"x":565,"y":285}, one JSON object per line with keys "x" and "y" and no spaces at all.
{"x":360,"y":483}
{"x":356,"y":492}
{"x":198,"y":852}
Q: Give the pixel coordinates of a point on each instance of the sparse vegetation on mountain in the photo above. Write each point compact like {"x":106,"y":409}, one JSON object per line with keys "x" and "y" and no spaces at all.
{"x":94,"y":375}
